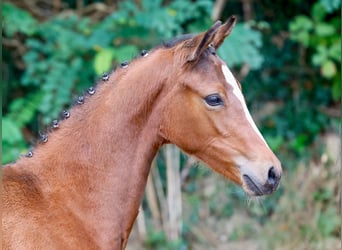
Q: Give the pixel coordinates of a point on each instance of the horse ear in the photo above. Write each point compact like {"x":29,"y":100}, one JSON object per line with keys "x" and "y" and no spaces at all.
{"x":200,"y":43}
{"x":224,"y":31}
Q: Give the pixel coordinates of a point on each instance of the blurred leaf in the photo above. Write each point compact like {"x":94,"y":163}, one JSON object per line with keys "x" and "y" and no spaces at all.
{"x":299,"y":143}
{"x":318,"y":12}
{"x":321,"y":56}
{"x":22,"y":110}
{"x":103,"y":60}
{"x":331,"y":5}
{"x":125,"y":53}
{"x":301,"y":23}
{"x":274,"y":142}
{"x":323,"y":195}
{"x":328,"y":221}
{"x":151,"y":5}
{"x":336,"y":88}
{"x":249,"y":41}
{"x":328,"y":69}
{"x":12,"y":140}
{"x":10,"y":131}
{"x":324,"y":29}
{"x":300,"y":29}
{"x":335,"y":50}
{"x":17,"y":20}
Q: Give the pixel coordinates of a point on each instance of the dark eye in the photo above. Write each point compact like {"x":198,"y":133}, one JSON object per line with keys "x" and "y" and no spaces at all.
{"x":214,"y":100}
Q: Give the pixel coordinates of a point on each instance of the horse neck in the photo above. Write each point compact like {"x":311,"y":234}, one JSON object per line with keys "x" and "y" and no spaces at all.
{"x":98,"y":161}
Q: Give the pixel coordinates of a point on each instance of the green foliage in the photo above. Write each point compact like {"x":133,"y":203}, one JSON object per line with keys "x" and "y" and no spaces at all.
{"x":22,"y":111}
{"x":331,"y":5}
{"x":321,"y":33}
{"x":56,"y":60}
{"x":300,"y":76}
{"x":158,"y":240}
{"x":243,"y":37}
{"x":327,"y":221}
{"x":12,"y":139}
{"x":17,"y":20}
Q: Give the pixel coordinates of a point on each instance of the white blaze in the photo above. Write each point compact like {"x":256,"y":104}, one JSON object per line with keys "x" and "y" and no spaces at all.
{"x":236,"y":90}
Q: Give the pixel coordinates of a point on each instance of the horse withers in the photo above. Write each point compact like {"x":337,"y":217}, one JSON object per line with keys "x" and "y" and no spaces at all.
{"x":81,"y":187}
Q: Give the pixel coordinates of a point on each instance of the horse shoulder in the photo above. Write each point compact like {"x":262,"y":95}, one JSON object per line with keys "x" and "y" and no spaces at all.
{"x":29,"y":218}
{"x":20,"y":189}
{"x":22,"y":201}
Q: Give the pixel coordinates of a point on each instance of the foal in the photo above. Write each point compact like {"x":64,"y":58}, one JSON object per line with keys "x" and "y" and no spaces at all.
{"x":82,"y":186}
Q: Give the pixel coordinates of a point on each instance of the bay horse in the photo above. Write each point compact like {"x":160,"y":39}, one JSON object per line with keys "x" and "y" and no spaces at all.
{"x":81,"y":187}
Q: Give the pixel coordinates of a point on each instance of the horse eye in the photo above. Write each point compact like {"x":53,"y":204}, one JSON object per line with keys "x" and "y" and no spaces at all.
{"x":214,"y":100}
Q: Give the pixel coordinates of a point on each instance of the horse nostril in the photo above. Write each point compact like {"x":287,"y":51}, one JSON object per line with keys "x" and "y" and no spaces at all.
{"x":273,"y":179}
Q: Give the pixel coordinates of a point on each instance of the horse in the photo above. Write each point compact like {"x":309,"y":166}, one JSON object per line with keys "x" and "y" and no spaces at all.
{"x":81,"y":186}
